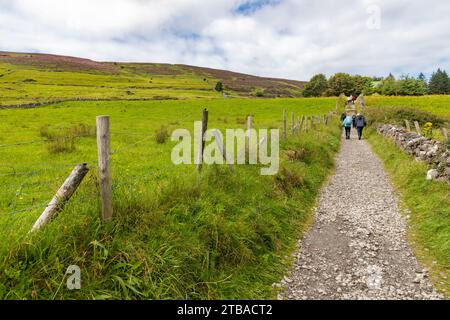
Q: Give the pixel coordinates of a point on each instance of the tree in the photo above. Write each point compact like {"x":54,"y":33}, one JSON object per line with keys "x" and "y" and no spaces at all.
{"x":409,"y":86}
{"x":316,"y":87}
{"x":439,"y":83}
{"x":362,"y":85}
{"x":219,"y":86}
{"x":389,"y":86}
{"x":340,"y":83}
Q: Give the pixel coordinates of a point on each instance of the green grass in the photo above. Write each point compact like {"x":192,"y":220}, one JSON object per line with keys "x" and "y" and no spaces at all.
{"x":429,"y":204}
{"x":176,"y":233}
{"x":437,"y":104}
{"x":21,"y":84}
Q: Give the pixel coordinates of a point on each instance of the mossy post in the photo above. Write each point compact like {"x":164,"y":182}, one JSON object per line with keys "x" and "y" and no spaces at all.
{"x":249,"y":131}
{"x":63,"y":195}
{"x":284,"y":125}
{"x":301,"y":125}
{"x":292,"y":123}
{"x":202,"y":139}
{"x":408,"y":126}
{"x":416,"y":124}
{"x":104,"y":168}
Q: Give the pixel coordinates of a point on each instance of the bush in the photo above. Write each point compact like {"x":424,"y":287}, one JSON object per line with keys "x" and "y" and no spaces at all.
{"x":161,"y":135}
{"x":397,"y":115}
{"x":63,"y":140}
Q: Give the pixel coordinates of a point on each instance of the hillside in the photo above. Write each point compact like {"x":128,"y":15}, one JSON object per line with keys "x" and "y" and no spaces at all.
{"x":27,"y":78}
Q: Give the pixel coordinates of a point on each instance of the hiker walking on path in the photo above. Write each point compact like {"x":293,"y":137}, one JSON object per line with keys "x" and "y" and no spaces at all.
{"x":347,"y":124}
{"x":360,"y":122}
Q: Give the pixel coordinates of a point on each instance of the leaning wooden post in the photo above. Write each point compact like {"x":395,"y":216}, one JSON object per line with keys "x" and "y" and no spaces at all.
{"x":416,"y":124}
{"x":104,"y":167}
{"x":222,"y":148}
{"x":202,"y":140}
{"x":301,"y":125}
{"x":306,"y":124}
{"x":62,"y":196}
{"x":284,"y":125}
{"x":408,"y":126}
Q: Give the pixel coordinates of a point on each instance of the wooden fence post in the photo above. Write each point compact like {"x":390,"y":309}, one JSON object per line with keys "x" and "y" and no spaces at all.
{"x":63,"y":195}
{"x":104,"y":168}
{"x":222,"y":148}
{"x":301,"y":125}
{"x":416,"y":124}
{"x":249,"y":131}
{"x":306,"y":123}
{"x":284,"y":125}
{"x":408,"y":126}
{"x":292,"y":122}
{"x":202,"y":139}
{"x":444,"y":133}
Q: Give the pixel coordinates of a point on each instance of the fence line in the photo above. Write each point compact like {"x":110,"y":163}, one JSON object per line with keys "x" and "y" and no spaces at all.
{"x":106,"y":186}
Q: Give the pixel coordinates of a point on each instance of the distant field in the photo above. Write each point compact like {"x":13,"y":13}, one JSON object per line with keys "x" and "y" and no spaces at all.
{"x":439,"y":105}
{"x":37,"y":78}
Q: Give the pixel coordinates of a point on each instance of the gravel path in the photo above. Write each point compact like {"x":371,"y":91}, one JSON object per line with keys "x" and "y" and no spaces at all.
{"x":357,"y":247}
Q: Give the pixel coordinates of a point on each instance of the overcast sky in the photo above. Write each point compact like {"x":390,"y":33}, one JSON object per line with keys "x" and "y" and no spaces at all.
{"x":281,"y":38}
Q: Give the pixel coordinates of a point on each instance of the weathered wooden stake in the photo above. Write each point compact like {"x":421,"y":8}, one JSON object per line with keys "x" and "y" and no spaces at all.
{"x":444,"y":133}
{"x":416,"y":124}
{"x":104,"y":168}
{"x":249,"y":130}
{"x":301,"y":125}
{"x":408,"y":126}
{"x":306,"y":123}
{"x":222,"y":149}
{"x":292,"y":122}
{"x":62,"y":196}
{"x":202,"y":140}
{"x":284,"y":125}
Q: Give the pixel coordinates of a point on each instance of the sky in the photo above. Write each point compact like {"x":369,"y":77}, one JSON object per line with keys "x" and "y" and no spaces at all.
{"x":278,"y":38}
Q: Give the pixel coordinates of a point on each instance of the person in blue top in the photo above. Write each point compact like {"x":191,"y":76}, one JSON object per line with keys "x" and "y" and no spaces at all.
{"x":347,"y":124}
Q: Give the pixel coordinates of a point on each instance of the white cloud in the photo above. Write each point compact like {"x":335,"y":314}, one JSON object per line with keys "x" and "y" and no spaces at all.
{"x":286,"y":38}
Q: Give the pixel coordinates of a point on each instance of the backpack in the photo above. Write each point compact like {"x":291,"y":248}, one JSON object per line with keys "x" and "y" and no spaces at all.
{"x":348,"y":122}
{"x":360,"y":122}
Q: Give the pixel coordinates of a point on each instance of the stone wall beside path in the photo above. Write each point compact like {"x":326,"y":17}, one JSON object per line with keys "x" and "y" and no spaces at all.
{"x":421,"y":148}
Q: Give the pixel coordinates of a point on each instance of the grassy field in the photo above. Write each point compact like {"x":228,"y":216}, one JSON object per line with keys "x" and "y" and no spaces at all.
{"x":176,"y":233}
{"x":24,"y":84}
{"x":429,"y":206}
{"x":438,"y":105}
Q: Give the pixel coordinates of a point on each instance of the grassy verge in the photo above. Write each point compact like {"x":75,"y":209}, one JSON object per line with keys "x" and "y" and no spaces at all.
{"x":214,"y":235}
{"x":429,"y":204}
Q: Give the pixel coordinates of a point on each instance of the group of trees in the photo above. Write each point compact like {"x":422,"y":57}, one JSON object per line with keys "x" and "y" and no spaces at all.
{"x":319,"y":85}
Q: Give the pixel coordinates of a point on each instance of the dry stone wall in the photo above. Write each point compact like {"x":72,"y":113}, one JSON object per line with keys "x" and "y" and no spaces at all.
{"x":421,"y":148}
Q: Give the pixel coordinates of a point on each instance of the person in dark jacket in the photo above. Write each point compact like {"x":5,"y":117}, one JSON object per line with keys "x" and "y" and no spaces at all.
{"x":354,"y":121}
{"x":343,"y":116}
{"x":360,"y":122}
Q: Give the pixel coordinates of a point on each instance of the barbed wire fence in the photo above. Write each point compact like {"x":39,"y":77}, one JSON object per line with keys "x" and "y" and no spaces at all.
{"x":298,"y":126}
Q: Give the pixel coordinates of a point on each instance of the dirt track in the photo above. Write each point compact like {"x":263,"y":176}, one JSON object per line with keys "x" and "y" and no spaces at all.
{"x":357,"y":248}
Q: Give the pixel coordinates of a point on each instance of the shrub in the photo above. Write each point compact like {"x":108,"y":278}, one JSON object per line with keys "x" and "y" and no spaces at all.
{"x":161,"y":135}
{"x":428,"y":130}
{"x":397,"y":115}
{"x":61,"y":144}
{"x":63,"y":140}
